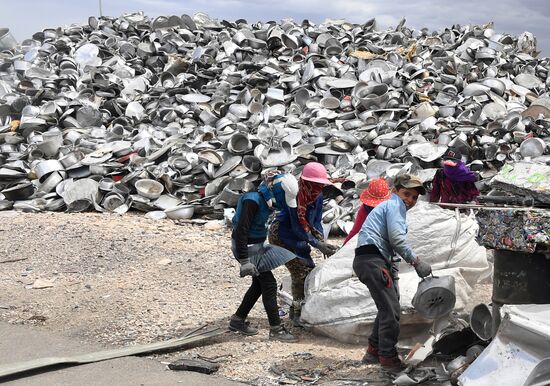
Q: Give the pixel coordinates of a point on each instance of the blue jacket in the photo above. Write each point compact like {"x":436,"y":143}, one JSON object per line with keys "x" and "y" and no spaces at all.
{"x":292,"y":234}
{"x":258,"y":228}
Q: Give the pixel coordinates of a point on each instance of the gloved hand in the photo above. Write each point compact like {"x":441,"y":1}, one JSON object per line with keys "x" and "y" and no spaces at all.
{"x":318,"y":235}
{"x":423,"y":269}
{"x":248,"y":269}
{"x":326,"y":248}
{"x":312,"y":240}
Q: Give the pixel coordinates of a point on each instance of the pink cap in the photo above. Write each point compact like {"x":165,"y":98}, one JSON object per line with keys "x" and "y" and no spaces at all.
{"x":315,"y":172}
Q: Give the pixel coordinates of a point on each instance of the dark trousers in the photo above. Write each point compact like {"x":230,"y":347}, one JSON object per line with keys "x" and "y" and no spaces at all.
{"x":264,"y":285}
{"x":373,"y":271}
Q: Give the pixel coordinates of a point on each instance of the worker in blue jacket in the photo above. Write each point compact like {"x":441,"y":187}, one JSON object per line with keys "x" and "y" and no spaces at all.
{"x":298,"y":228}
{"x":258,"y":258}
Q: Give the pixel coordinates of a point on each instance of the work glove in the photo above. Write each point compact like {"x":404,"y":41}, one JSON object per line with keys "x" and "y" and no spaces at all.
{"x":326,"y":248}
{"x":248,"y":269}
{"x":313,"y":239}
{"x":422,"y":268}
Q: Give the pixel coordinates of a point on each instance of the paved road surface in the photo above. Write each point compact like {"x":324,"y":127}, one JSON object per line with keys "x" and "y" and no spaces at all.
{"x":19,"y":343}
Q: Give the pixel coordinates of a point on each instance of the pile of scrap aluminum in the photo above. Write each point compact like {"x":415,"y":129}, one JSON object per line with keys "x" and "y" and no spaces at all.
{"x":441,"y":356}
{"x":200,"y":108}
{"x":452,"y":345}
{"x":472,"y":354}
{"x":518,"y":355}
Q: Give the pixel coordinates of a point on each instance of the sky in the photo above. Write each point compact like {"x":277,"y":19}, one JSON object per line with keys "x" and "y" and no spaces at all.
{"x":24,"y":17}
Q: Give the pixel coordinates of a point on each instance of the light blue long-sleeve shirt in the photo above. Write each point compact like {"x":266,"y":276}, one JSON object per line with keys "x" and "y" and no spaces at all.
{"x":386,"y":228}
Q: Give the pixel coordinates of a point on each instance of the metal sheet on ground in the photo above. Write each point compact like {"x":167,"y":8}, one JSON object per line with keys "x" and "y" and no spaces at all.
{"x":40,"y":363}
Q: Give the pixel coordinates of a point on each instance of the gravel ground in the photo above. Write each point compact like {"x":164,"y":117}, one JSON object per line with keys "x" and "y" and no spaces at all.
{"x":124,"y":280}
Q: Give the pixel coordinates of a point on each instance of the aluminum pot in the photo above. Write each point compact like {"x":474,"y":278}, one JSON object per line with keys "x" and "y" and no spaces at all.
{"x":180,"y":212}
{"x":36,"y":154}
{"x":51,"y":182}
{"x":49,"y":148}
{"x":149,"y":188}
{"x":239,"y":143}
{"x":46,"y":167}
{"x":19,"y":192}
{"x":112,"y":201}
{"x":229,"y":196}
{"x":371,"y":95}
{"x":78,"y":171}
{"x":106,"y":184}
{"x":252,"y":163}
{"x":435,"y":296}
{"x":330,"y":159}
{"x":80,"y":194}
{"x":481,"y":321}
{"x":532,"y":147}
{"x":71,"y":159}
{"x":7,"y":41}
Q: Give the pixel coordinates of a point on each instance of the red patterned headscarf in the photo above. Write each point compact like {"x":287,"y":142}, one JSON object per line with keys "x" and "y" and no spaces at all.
{"x":307,"y":194}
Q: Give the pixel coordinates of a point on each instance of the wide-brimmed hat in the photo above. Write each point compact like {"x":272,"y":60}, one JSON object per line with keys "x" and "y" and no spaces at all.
{"x":377,"y":192}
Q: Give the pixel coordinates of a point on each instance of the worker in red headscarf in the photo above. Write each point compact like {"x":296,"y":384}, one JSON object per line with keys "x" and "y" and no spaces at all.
{"x":299,"y":228}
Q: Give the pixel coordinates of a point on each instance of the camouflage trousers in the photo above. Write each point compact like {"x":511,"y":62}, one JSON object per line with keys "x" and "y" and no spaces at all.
{"x":296,"y":267}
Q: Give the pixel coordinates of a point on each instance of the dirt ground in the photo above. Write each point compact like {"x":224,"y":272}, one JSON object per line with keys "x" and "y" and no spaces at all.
{"x":125,"y":280}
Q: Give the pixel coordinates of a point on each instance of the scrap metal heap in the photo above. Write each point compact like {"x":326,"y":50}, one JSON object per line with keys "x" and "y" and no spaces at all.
{"x":203,"y":107}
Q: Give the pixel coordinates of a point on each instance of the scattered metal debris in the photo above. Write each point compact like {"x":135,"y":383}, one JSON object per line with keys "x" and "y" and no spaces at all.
{"x":540,"y":375}
{"x":419,"y":376}
{"x":196,"y":365}
{"x":519,"y":346}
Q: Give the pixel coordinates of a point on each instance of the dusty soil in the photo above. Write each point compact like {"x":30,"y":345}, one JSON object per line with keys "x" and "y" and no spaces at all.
{"x":124,"y":280}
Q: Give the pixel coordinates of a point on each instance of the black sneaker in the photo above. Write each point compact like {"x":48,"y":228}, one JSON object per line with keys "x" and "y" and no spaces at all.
{"x":280,"y":333}
{"x":240,"y":325}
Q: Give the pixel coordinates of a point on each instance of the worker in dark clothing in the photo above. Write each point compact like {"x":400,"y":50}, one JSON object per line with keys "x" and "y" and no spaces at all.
{"x":382,"y":236}
{"x":258,"y":258}
{"x":455,"y":182}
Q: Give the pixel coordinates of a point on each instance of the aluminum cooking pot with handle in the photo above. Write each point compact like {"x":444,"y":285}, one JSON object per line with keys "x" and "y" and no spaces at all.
{"x":435,"y":296}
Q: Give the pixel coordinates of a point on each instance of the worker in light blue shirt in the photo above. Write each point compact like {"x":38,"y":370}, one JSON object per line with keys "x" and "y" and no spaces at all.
{"x":387,"y":230}
{"x":382,"y":236}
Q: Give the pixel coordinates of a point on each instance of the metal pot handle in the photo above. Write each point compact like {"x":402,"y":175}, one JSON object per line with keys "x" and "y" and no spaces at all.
{"x":433,"y":277}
